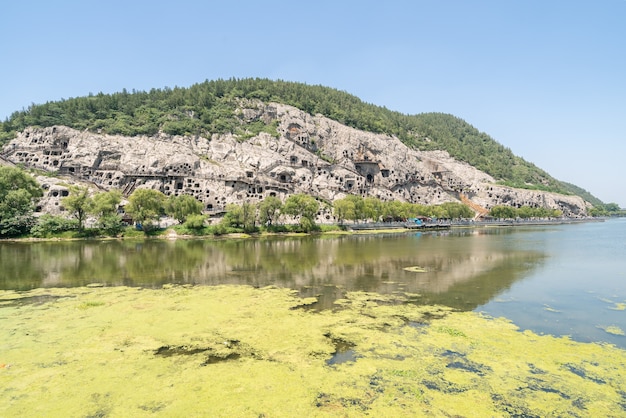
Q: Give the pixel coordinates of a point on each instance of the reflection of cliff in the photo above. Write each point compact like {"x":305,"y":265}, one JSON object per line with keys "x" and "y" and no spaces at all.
{"x":481,"y":285}
{"x":464,"y":268}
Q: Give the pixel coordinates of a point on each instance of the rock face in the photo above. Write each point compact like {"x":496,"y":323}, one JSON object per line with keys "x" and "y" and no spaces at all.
{"x":312,"y":154}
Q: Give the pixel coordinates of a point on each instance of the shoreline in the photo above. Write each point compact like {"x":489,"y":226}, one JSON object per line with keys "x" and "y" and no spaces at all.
{"x":169,"y":233}
{"x":468,"y":224}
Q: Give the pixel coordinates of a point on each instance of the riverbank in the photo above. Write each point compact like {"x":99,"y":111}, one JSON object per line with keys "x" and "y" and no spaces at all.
{"x":465,"y":223}
{"x":174,"y":232}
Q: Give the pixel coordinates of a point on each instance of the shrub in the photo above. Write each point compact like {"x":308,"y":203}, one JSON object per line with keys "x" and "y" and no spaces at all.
{"x":16,"y":226}
{"x":195,"y":222}
{"x":49,"y":225}
{"x":111,"y":224}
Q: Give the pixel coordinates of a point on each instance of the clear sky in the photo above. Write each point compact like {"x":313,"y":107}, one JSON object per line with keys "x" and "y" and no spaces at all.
{"x":545,"y":78}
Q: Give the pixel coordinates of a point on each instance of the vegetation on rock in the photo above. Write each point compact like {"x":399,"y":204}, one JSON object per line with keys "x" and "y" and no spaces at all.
{"x":212,"y":107}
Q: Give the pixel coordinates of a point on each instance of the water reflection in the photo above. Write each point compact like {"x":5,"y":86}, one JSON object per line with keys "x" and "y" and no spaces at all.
{"x":464,"y":268}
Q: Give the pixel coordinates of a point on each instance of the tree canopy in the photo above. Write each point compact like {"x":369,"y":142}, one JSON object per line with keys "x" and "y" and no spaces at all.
{"x":145,"y":206}
{"x":79,"y":203}
{"x":304,"y":207}
{"x":18,"y":192}
{"x":183,"y":206}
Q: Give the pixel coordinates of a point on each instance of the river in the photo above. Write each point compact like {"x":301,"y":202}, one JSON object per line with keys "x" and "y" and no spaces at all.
{"x":551,"y":279}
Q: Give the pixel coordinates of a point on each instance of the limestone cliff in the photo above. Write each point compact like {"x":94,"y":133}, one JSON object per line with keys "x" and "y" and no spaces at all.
{"x":311,"y":154}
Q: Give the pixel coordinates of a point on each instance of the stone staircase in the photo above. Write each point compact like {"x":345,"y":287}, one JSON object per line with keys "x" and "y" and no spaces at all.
{"x":480,"y":211}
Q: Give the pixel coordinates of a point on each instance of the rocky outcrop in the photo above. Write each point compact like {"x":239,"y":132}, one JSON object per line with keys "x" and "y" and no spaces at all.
{"x":311,"y":154}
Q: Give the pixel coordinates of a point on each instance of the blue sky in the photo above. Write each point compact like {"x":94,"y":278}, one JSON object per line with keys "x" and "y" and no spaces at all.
{"x":546,"y":78}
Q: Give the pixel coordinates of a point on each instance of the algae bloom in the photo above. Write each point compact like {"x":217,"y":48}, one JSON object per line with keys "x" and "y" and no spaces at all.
{"x":416,"y":269}
{"x":613,"y":329}
{"x":229,"y":351}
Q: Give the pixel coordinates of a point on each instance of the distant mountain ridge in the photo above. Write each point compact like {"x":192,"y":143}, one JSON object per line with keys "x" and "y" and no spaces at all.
{"x":212,"y":107}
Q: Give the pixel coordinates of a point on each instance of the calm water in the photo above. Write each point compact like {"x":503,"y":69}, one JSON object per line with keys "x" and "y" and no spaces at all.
{"x":562,"y":280}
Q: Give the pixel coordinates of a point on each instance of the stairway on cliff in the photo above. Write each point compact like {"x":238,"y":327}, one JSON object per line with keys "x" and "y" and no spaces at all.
{"x":480,"y":211}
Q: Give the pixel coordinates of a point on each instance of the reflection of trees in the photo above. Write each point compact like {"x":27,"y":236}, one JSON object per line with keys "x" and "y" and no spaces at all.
{"x":271,"y":255}
{"x":134,"y":263}
{"x":77,"y":263}
{"x":20,"y":266}
{"x":464,"y":268}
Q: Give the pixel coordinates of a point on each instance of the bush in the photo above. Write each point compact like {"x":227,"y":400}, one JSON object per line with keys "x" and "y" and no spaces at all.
{"x":308,"y":225}
{"x":111,"y":224}
{"x":16,"y":226}
{"x":195,"y":222}
{"x":132,"y":232}
{"x":49,"y":225}
{"x":331,"y":228}
{"x":277,"y":228}
{"x":221,"y":228}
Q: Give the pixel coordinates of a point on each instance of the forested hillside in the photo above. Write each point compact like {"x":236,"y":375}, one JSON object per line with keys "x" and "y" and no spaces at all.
{"x":210,"y":107}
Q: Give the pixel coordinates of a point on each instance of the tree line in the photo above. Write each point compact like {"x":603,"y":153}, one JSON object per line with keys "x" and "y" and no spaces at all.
{"x":19,"y":193}
{"x":211,"y":107}
{"x":524,"y":212}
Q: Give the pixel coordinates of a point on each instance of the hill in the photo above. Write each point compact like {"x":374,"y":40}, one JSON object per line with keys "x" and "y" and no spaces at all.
{"x":271,"y":149}
{"x":210,"y":108}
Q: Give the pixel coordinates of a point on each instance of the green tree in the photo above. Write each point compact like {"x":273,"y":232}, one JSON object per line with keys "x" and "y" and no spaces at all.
{"x":394,"y":210}
{"x":248,"y":212}
{"x":180,"y":207}
{"x":78,"y":203}
{"x":526,"y":212}
{"x":555,"y":213}
{"x":269,"y":209}
{"x":233,"y":216}
{"x":240,"y":216}
{"x":145,"y":206}
{"x":106,"y":203}
{"x":104,"y":207}
{"x":18,"y":193}
{"x":358,"y":212}
{"x":343,"y":209}
{"x":372,"y":208}
{"x":112,"y":224}
{"x":455,"y":210}
{"x":12,"y":178}
{"x":16,"y":211}
{"x":195,"y":222}
{"x":303,"y":207}
{"x":505,"y":212}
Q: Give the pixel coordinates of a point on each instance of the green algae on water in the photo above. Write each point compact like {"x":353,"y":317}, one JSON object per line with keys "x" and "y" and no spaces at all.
{"x":416,"y":269}
{"x":613,"y":329}
{"x":617,"y":306}
{"x":239,"y":351}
